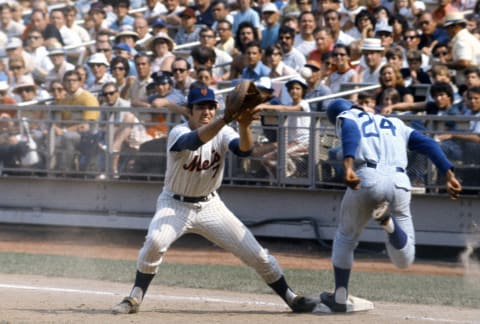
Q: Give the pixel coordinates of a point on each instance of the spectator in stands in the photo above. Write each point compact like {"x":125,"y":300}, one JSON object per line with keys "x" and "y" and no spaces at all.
{"x":367,"y":99}
{"x":305,"y":40}
{"x":394,"y":56}
{"x":274,"y":60}
{"x":431,"y":33}
{"x":291,"y":56}
{"x":385,"y":34}
{"x":69,"y":134}
{"x":5,"y":99}
{"x":127,"y":35}
{"x":470,"y":140}
{"x":364,"y":26}
{"x":98,"y":15}
{"x":472,"y":76}
{"x":388,"y":97}
{"x":411,"y":40}
{"x":202,"y":55}
{"x":39,"y":54}
{"x":166,"y":96}
{"x":270,"y":14}
{"x":181,"y":75}
{"x":138,"y":90}
{"x":465,"y":46}
{"x":121,"y":8}
{"x":56,"y":53}
{"x":255,"y":68}
{"x":324,"y":43}
{"x":373,"y":52}
{"x":189,"y":31}
{"x":392,"y":78}
{"x":315,"y":86}
{"x":119,"y":69}
{"x":155,"y":8}
{"x":70,"y":23}
{"x":28,"y":93}
{"x":399,"y":25}
{"x":205,"y":12}
{"x":332,"y":21}
{"x":173,"y":8}
{"x":39,"y":21}
{"x":128,"y":134}
{"x":246,"y":33}
{"x":56,"y":91}
{"x":343,"y":71}
{"x":382,"y":15}
{"x":83,"y":74}
{"x":298,"y":135}
{"x":161,"y":45}
{"x":246,"y":14}
{"x":444,"y":8}
{"x":99,"y":65}
{"x":226,"y":42}
{"x":441,"y":53}
{"x":16,"y":68}
{"x":221,"y":12}
{"x":414,"y":74}
{"x":57,"y":17}
{"x":14,"y":49}
{"x":221,"y":68}
{"x":10,"y":27}
{"x":140,"y":26}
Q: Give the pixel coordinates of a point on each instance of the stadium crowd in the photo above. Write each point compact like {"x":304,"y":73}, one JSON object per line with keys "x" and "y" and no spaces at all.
{"x":150,"y":53}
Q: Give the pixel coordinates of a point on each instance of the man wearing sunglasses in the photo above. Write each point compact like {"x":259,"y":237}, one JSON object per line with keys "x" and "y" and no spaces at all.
{"x":181,"y":76}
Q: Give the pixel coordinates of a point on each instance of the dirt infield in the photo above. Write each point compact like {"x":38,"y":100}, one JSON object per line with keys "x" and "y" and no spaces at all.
{"x":33,"y":299}
{"x":36,"y":299}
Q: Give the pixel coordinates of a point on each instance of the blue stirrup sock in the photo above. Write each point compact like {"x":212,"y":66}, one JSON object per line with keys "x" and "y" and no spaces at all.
{"x":398,"y":238}
{"x":342,"y":277}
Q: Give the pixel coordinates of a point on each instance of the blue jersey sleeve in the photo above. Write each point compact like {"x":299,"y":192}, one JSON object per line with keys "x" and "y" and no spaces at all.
{"x":350,"y":138}
{"x":425,"y":145}
{"x":234,"y":146}
{"x":189,"y":141}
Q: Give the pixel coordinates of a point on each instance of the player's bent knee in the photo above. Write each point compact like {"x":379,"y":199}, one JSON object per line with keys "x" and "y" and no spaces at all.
{"x":151,"y":255}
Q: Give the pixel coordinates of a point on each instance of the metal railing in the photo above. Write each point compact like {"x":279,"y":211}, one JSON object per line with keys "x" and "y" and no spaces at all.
{"x":319,"y":167}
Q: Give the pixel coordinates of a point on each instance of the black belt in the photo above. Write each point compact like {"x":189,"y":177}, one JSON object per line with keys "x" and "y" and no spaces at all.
{"x":193,"y":199}
{"x":374,"y":166}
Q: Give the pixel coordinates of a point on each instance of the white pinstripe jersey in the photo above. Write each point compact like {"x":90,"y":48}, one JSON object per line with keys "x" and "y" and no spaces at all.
{"x":383,"y":139}
{"x":197,"y":173}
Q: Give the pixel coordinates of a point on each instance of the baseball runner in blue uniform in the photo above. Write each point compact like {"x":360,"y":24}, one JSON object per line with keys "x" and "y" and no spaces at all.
{"x":375,"y":159}
{"x":189,"y":202}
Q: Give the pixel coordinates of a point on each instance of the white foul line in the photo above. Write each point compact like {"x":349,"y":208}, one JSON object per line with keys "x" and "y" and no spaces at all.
{"x":163,"y":297}
{"x":200,"y":299}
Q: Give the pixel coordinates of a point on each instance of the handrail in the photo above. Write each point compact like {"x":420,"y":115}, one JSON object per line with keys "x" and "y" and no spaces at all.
{"x":343,"y":93}
{"x":281,"y":78}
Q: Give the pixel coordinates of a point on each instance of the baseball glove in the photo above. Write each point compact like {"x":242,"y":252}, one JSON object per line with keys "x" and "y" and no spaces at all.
{"x":244,"y":96}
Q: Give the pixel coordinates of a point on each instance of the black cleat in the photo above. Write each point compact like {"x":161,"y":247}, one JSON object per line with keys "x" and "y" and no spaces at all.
{"x":329,"y":300}
{"x":301,"y":304}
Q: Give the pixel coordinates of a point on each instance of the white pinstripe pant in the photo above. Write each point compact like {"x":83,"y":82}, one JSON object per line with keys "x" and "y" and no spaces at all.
{"x":212,"y":220}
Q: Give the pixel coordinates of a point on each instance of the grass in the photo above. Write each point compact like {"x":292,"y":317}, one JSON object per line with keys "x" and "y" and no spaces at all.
{"x":404,"y":288}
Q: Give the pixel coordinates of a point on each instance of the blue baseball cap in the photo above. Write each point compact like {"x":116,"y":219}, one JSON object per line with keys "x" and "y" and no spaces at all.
{"x":123,"y":47}
{"x":159,"y":22}
{"x":201,"y":94}
{"x":336,"y":107}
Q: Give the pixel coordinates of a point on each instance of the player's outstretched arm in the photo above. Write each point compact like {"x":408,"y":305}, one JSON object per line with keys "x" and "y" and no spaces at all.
{"x":246,"y":137}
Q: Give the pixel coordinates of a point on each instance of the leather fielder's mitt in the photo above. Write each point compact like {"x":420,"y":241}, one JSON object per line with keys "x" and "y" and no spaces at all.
{"x":243,"y":97}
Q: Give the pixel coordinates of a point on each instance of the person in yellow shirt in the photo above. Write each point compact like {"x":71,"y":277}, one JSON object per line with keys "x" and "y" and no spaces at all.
{"x":73,"y":124}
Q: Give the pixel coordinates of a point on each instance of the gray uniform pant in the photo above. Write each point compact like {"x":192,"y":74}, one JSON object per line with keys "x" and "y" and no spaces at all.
{"x":356,"y":210}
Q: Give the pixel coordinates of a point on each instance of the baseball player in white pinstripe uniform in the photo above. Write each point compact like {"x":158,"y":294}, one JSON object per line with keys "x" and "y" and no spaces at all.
{"x":375,"y":159}
{"x":189,"y":202}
